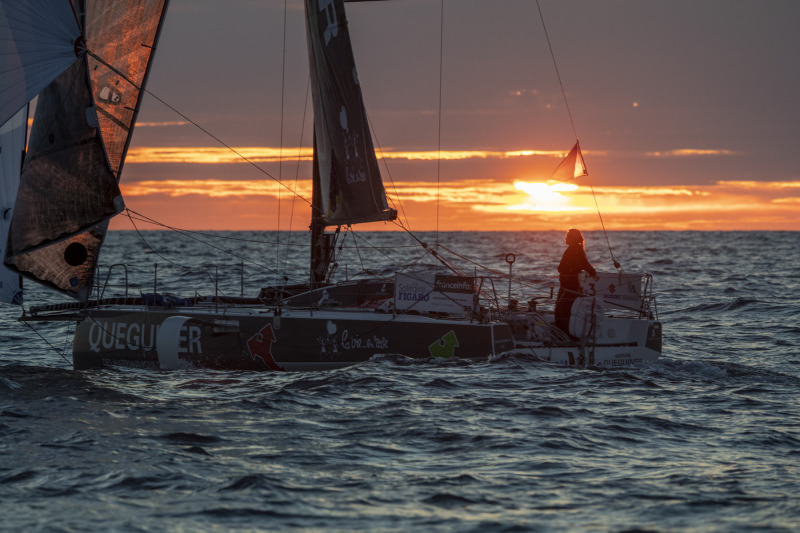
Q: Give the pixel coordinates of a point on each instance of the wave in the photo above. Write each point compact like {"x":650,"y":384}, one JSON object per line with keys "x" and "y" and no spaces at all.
{"x":738,"y":303}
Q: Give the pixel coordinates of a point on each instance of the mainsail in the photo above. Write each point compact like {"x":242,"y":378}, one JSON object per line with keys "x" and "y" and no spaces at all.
{"x":12,"y":148}
{"x":81,"y":130}
{"x":349,"y":183}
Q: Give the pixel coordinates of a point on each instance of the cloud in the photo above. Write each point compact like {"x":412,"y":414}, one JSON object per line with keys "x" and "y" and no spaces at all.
{"x":688,"y":152}
{"x":267,"y":154}
{"x":263,"y":154}
{"x":220,"y":155}
{"x":761,"y":185}
{"x":491,"y":205}
{"x":214,"y":188}
{"x":160,"y":124}
{"x":680,"y":190}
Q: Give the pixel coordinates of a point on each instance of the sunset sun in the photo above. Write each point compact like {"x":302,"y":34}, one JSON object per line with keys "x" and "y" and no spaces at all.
{"x":547,"y":196}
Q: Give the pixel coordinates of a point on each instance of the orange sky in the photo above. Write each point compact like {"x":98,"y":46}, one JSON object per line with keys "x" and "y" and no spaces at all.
{"x":466,"y":204}
{"x":670,"y":142}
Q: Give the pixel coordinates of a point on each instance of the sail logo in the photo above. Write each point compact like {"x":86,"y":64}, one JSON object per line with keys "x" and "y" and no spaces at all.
{"x":354,"y":171}
{"x":327,"y":7}
{"x":428,"y":292}
{"x":411,"y":291}
{"x":457,"y":284}
{"x":109,"y":95}
{"x":332,"y":345}
{"x":260,"y":345}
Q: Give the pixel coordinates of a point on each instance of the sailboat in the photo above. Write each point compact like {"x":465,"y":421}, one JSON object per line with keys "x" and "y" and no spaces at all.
{"x":87,"y":62}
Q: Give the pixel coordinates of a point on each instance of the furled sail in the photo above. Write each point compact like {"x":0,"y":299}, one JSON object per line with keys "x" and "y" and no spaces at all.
{"x":349,"y":181}
{"x":12,"y":147}
{"x":39,"y":39}
{"x":80,"y":134}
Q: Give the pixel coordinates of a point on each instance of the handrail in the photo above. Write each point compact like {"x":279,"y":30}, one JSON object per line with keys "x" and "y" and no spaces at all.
{"x":108,"y":275}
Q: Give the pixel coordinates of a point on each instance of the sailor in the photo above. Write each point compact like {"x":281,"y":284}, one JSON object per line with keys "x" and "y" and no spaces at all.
{"x":573,"y":262}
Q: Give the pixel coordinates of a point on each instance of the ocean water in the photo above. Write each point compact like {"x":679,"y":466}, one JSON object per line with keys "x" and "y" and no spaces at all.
{"x":707,"y":439}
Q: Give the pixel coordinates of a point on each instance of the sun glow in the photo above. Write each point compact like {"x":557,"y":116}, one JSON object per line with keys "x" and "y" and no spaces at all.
{"x":547,"y":197}
{"x":481,"y":205}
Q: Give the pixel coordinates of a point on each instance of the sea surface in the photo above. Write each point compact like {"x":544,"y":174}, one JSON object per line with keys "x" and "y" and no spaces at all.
{"x":707,"y":439}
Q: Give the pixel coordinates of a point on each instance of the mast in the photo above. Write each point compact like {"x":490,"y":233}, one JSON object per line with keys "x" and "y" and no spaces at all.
{"x":347,"y":185}
{"x":320,"y":245}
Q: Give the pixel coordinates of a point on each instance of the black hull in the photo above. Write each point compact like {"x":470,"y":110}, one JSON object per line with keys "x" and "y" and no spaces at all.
{"x":254,"y":339}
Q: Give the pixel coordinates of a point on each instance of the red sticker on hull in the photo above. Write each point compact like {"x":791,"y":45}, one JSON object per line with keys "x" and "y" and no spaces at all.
{"x":260,"y":345}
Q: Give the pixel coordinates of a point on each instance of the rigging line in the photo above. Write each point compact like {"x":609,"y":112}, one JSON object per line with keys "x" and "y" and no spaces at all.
{"x":297,"y":172}
{"x":69,"y":338}
{"x":411,"y":234}
{"x":232,"y":149}
{"x":500,"y":275}
{"x":572,"y":122}
{"x":406,"y":266}
{"x":59,"y":352}
{"x":145,"y":218}
{"x":77,"y":18}
{"x":232,"y":254}
{"x":165,"y":258}
{"x":386,"y":166}
{"x":280,"y":151}
{"x":555,"y":66}
{"x":337,"y":255}
{"x":602,"y":225}
{"x":369,"y":245}
{"x":439,"y":113}
{"x":358,"y":252}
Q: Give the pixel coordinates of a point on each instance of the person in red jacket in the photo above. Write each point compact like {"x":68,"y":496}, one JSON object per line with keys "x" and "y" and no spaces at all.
{"x":573,"y":262}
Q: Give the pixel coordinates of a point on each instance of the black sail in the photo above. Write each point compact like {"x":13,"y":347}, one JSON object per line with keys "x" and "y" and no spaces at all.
{"x":349,"y":181}
{"x":66,"y":186}
{"x":81,"y":130}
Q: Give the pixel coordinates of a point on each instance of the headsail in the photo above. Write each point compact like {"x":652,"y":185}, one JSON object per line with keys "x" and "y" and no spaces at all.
{"x":39,"y":39}
{"x":12,"y":147}
{"x":350,"y":186}
{"x":122,"y":35}
{"x":66,"y":184}
{"x":572,"y":166}
{"x":66,"y":188}
{"x":80,"y":133}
